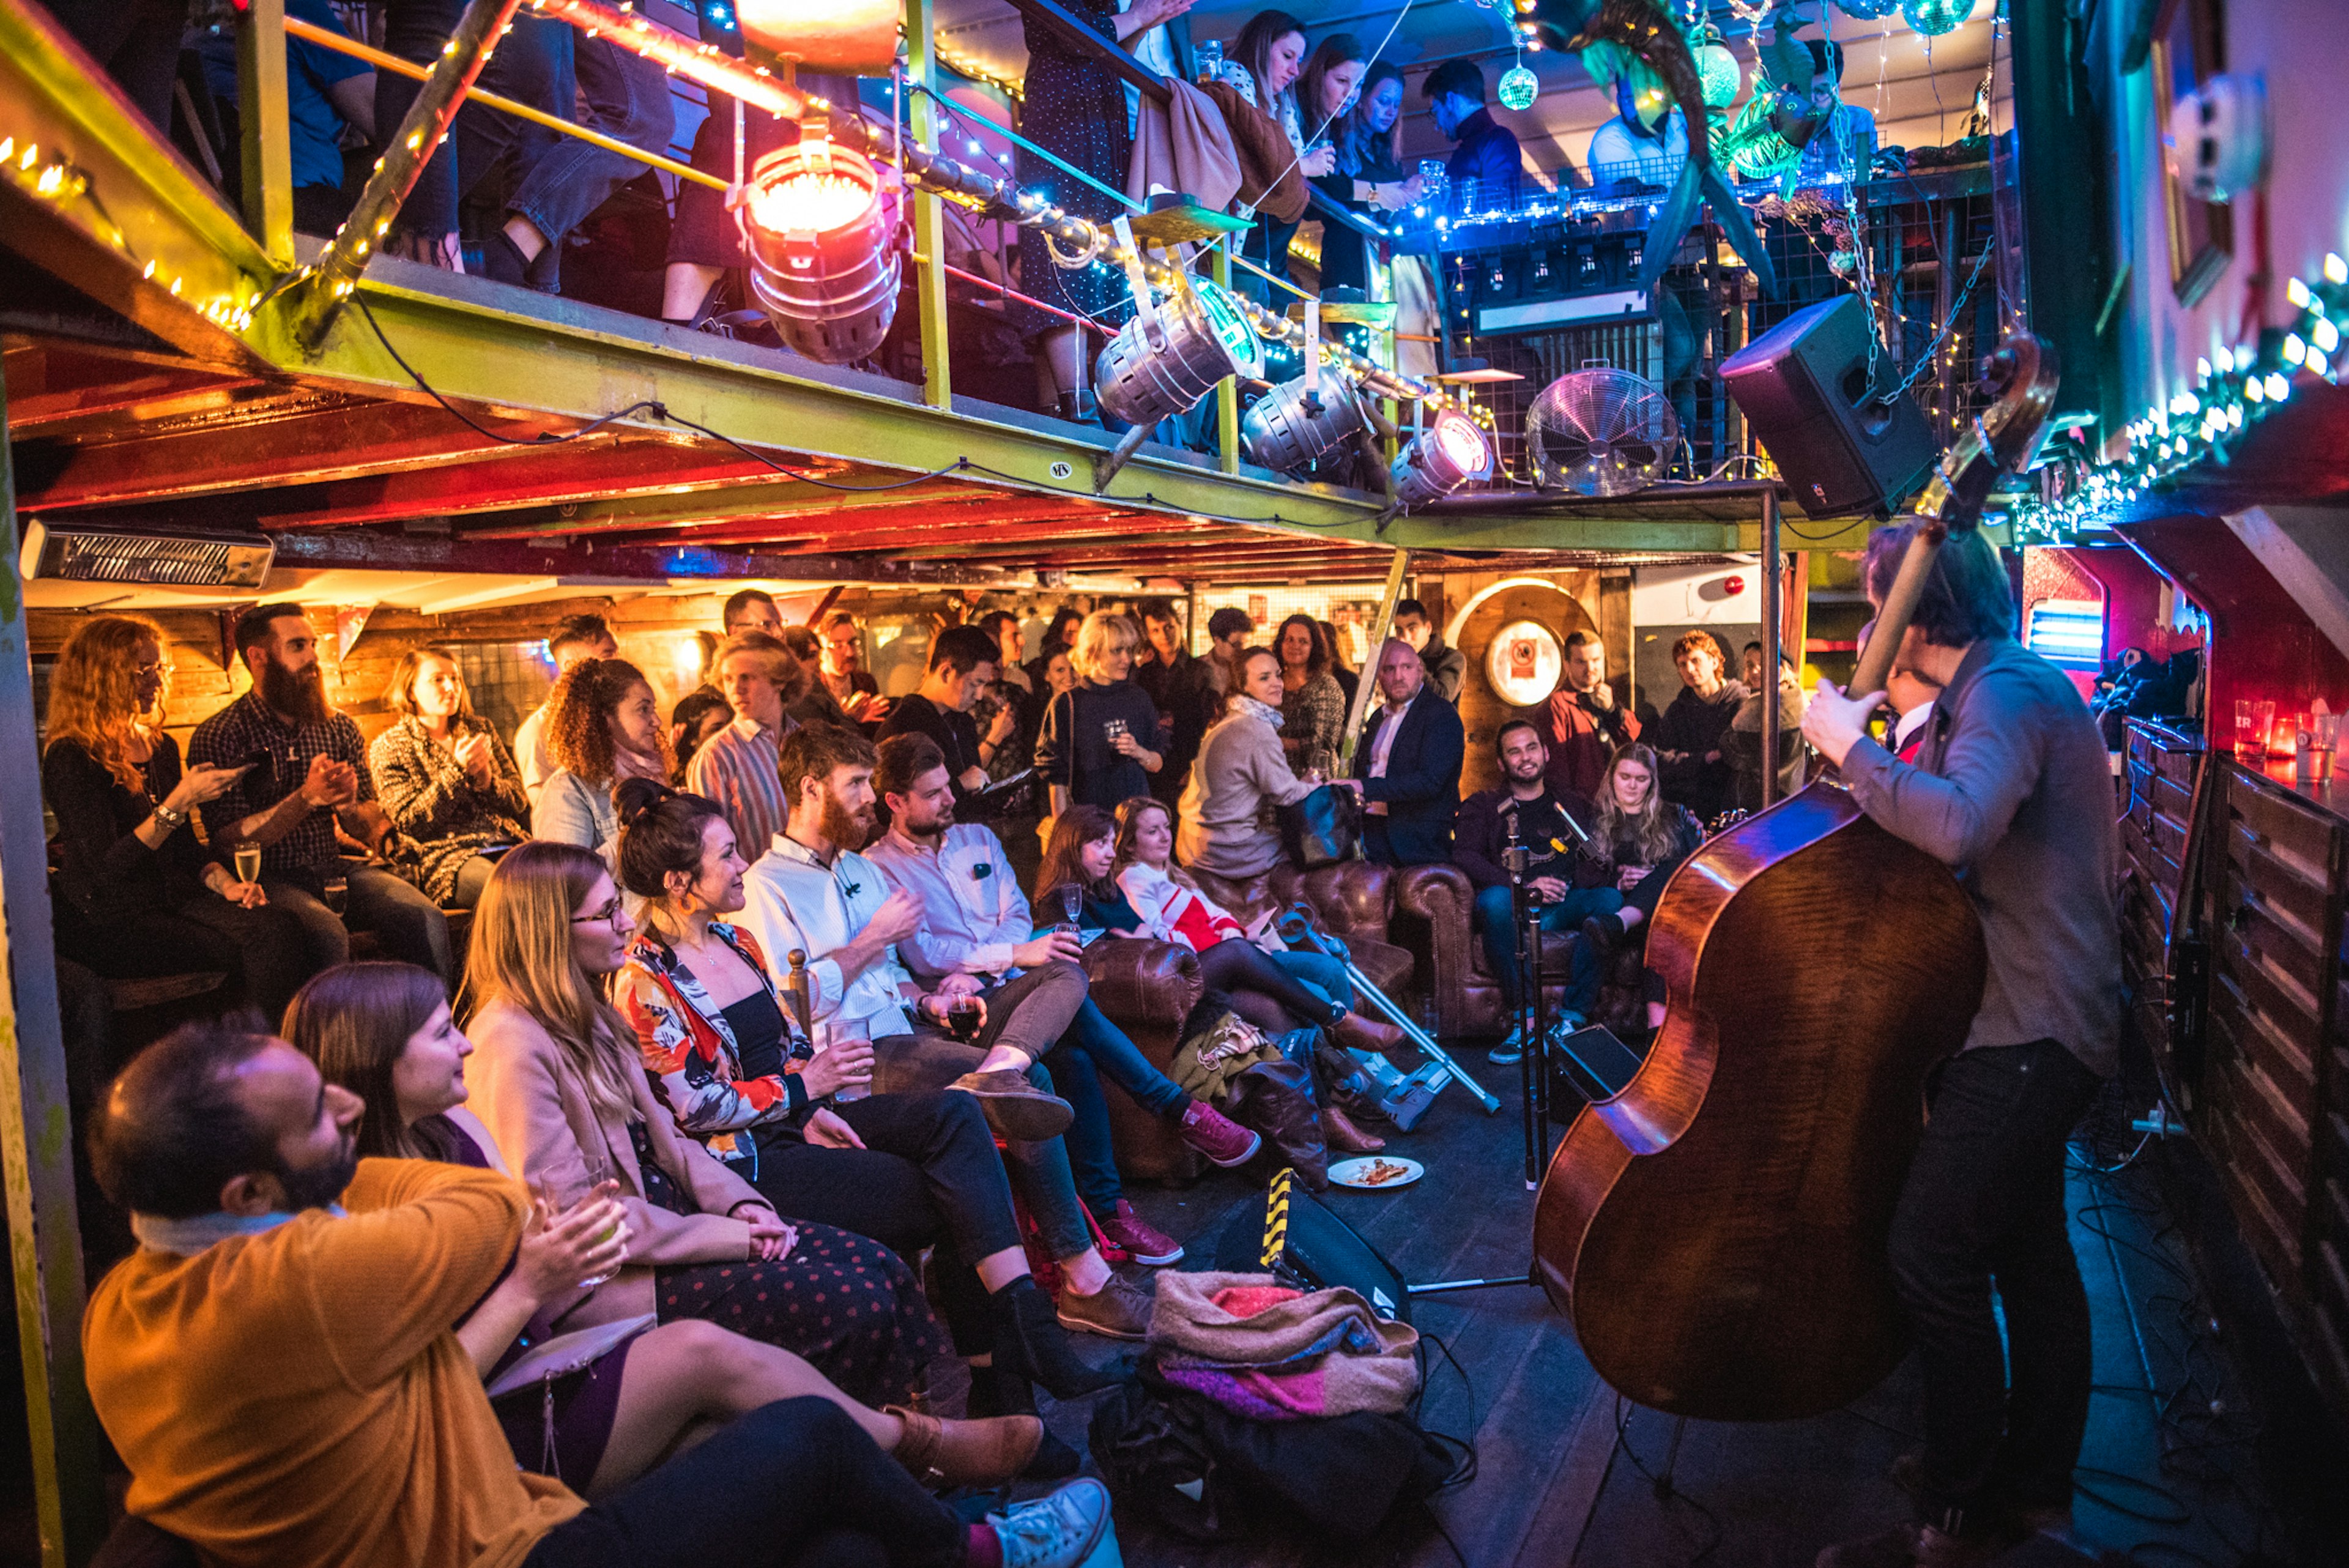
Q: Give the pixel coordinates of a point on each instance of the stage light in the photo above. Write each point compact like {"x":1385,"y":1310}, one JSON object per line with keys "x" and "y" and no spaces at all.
{"x":820,"y":224}
{"x":1203,"y":337}
{"x":846,"y":37}
{"x":1451,"y":452}
{"x":1934,"y":18}
{"x":1292,"y":426}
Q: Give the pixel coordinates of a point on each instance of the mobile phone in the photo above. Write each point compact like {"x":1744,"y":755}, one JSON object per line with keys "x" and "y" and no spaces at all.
{"x":254,"y":758}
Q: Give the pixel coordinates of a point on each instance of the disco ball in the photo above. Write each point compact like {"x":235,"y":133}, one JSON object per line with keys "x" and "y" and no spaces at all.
{"x":1517,"y":88}
{"x":1934,"y":18}
{"x":1868,"y":10}
{"x":1717,"y":71}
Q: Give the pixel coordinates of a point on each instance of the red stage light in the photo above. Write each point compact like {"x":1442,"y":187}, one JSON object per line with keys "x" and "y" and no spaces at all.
{"x":820,"y":225}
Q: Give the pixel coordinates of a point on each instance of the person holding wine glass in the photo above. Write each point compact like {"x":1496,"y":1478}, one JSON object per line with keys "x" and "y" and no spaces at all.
{"x":1096,"y":747}
{"x":138,"y":896}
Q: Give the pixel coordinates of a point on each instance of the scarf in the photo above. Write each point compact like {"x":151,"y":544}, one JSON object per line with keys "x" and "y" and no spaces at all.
{"x":186,"y":1238}
{"x":1249,"y":707}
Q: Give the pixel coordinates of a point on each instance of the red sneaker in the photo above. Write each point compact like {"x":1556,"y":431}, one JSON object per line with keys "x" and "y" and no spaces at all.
{"x":1216,"y":1136}
{"x":1131,"y":1233}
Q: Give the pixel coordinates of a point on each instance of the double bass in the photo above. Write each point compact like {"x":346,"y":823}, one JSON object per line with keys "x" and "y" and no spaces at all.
{"x":1716,"y":1228}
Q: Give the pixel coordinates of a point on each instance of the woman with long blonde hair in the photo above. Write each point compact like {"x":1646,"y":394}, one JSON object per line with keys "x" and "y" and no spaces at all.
{"x":138,"y":895}
{"x":384,"y":1032}
{"x":562,"y":1091}
{"x":1643,"y":838}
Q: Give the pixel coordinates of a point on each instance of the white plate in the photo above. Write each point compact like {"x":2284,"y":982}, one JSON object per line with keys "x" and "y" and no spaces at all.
{"x":1350,"y":1172}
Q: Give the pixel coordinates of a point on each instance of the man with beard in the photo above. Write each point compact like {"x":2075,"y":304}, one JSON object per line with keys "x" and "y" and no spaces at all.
{"x":279,"y":1371}
{"x":976,"y":921}
{"x":1696,"y":772}
{"x":309,"y":771}
{"x":813,"y":892}
{"x":1407,"y":766}
{"x":1543,"y":820}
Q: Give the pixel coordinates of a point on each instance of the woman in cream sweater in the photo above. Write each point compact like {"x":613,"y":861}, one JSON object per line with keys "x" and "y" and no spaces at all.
{"x":1239,"y":776}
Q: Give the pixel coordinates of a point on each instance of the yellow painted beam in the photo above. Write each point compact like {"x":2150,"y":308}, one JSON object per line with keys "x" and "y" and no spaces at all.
{"x":268,"y":145}
{"x":929,"y":216}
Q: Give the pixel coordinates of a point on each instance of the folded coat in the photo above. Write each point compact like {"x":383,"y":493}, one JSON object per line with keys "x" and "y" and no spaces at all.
{"x":1270,"y":181}
{"x":1317,"y":1353}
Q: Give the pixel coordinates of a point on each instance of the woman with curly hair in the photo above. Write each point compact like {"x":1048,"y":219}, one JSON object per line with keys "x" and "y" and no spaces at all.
{"x":445,"y":779}
{"x":137,"y":894}
{"x":601,"y":726}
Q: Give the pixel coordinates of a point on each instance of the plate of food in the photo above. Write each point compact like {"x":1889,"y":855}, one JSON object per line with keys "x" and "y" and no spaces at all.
{"x":1377,"y":1172}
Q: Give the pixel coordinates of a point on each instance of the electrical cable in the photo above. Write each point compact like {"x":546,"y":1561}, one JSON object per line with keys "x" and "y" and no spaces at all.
{"x":1665,"y":1489}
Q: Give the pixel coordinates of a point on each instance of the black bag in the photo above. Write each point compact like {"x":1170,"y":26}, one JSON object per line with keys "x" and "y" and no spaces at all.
{"x":1323,"y":828}
{"x":1301,"y":1243}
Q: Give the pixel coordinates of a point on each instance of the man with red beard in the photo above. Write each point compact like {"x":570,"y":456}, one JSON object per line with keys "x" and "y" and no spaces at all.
{"x":309,"y":772}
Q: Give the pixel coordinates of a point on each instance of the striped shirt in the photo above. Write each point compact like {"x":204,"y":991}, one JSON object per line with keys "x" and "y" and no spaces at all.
{"x":738,"y":768}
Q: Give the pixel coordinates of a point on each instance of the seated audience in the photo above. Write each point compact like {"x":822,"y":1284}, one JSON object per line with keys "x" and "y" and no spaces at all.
{"x":603,"y":726}
{"x":1581,"y":722}
{"x":137,"y":894}
{"x":845,"y":678}
{"x":1407,"y":766}
{"x":1688,"y":736}
{"x":1312,"y":708}
{"x":579,"y":637}
{"x":1741,"y":743}
{"x":976,"y":921}
{"x":812,"y":891}
{"x":736,"y":766}
{"x":1172,"y":909}
{"x":1446,"y":666}
{"x":446,"y":779}
{"x":1545,"y":827}
{"x":563,"y":1090}
{"x":962,"y":667}
{"x":383,"y":1031}
{"x":698,"y":714}
{"x":1238,"y":778}
{"x":309,"y":772}
{"x":285,"y":1330}
{"x":1097,"y":744}
{"x":912,"y":1169}
{"x":1640,"y":839}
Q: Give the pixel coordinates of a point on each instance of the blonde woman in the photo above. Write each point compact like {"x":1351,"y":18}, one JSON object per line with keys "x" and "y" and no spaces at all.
{"x":445,"y":779}
{"x":1094,"y":748}
{"x":560,"y":1085}
{"x":139,"y":896}
{"x":1643,"y":837}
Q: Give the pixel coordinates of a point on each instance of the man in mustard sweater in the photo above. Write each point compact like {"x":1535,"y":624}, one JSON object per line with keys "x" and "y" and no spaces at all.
{"x":279,"y":1370}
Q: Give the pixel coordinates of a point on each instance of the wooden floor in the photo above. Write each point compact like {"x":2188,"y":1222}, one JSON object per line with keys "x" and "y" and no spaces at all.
{"x":1565,"y":1473}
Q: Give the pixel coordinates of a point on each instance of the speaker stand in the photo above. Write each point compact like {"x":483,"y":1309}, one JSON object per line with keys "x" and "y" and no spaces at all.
{"x":1439,"y":1286}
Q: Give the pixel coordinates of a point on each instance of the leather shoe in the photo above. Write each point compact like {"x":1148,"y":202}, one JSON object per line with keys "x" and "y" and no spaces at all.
{"x":986,"y":1452}
{"x":1341,"y":1133}
{"x":1356,"y":1033}
{"x":1016,"y":1109}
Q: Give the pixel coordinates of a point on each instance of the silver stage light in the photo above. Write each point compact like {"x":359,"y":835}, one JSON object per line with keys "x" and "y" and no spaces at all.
{"x":818,"y":220}
{"x":1293,"y":426}
{"x":1202,"y":338}
{"x":1448,"y":454}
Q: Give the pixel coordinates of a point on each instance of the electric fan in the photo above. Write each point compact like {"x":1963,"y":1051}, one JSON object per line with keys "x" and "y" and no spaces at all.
{"x":1601,"y":432}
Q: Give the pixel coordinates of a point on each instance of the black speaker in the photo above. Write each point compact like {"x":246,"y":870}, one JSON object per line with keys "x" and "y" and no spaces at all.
{"x":1846,"y":446}
{"x":1311,"y":1249}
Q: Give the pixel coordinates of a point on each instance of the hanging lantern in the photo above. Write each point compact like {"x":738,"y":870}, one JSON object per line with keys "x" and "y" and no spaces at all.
{"x":1294,"y":425}
{"x":1717,"y":71}
{"x":819,"y":224}
{"x":1451,"y":452}
{"x":1934,"y":18}
{"x":846,"y":37}
{"x":1203,"y":337}
{"x":1517,"y":87}
{"x":1868,"y":10}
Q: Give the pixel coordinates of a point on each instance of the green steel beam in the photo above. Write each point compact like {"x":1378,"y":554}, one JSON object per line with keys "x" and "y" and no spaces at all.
{"x":268,"y":146}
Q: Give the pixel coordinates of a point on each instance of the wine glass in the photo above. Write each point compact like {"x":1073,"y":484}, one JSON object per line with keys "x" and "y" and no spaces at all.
{"x":1072,"y":903}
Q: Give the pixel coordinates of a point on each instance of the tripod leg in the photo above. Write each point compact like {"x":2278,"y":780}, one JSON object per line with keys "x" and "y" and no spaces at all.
{"x":1526,"y":1023}
{"x":1672,"y":1458}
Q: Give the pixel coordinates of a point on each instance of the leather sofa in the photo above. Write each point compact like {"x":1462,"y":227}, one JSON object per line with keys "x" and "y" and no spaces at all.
{"x":1434,"y":917}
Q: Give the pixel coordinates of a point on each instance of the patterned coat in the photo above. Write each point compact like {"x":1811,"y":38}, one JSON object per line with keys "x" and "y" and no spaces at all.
{"x":430,"y":797}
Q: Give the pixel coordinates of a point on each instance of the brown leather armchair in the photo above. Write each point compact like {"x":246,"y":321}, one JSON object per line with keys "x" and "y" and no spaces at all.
{"x":1435,"y":909}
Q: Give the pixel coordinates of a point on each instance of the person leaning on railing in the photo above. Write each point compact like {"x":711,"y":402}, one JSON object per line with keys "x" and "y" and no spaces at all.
{"x":1368,"y":176}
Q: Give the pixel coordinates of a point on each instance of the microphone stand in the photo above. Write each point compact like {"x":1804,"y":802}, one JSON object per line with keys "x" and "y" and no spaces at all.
{"x":1533,"y":1057}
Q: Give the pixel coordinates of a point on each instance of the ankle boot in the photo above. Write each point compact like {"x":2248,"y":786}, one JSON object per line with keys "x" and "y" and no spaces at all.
{"x":996,"y":1393}
{"x":984,"y":1452}
{"x":1080,"y":408}
{"x":1356,"y":1033}
{"x":1030,"y":1341}
{"x":1341,"y":1133}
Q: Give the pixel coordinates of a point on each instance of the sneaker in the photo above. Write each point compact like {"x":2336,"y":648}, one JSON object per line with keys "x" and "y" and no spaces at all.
{"x":1130,"y":1233}
{"x":1511,"y":1049}
{"x":1058,"y":1530}
{"x":1117,"y":1310}
{"x":1223,"y":1140}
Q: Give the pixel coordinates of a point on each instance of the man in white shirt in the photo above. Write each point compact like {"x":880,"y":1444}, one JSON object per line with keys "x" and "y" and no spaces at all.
{"x":976,"y":921}
{"x":580,"y":637}
{"x":813,"y":892}
{"x":1627,"y":150}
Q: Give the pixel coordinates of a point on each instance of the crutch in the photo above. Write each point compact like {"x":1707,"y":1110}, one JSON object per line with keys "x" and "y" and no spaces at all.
{"x":1298,"y":929}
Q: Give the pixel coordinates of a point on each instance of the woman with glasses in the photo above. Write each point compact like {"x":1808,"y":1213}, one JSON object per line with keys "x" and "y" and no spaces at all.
{"x":560,"y":1085}
{"x":445,"y":779}
{"x":138,"y":896}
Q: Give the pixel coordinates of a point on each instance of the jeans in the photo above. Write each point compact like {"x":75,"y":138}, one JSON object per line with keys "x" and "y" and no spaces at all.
{"x":264,"y":952}
{"x":1092,"y":1049}
{"x":532,"y":64}
{"x":627,"y":99}
{"x":409,"y":927}
{"x":1495,"y":922}
{"x":796,"y":1482}
{"x":1983,"y":1207}
{"x":1325,"y":974}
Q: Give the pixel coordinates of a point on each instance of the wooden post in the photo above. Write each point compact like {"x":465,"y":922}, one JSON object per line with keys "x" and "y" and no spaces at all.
{"x":268,"y":149}
{"x":929,"y":215}
{"x":37,"y":1130}
{"x":1774,"y":641}
{"x":1228,"y":390}
{"x":1368,"y":685}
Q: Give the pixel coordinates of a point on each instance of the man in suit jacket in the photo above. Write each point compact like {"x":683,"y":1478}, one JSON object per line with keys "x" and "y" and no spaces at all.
{"x":1407,"y":766}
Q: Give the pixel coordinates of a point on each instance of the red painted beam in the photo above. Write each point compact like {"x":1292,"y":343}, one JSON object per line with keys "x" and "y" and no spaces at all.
{"x":546,"y":523}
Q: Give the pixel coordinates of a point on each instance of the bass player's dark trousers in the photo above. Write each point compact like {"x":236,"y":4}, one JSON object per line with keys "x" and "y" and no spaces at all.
{"x":1983,"y":1209}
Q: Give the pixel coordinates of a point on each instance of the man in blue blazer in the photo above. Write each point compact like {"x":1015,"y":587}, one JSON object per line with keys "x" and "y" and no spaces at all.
{"x":1407,"y":766}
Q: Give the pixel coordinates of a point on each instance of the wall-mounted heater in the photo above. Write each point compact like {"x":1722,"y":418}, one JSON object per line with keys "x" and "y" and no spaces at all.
{"x":62,"y":551}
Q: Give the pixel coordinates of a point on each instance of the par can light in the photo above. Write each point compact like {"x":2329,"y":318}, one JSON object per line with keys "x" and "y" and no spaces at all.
{"x":1291,"y":427}
{"x":1450,"y":453}
{"x":820,"y":224}
{"x":1203,"y":337}
{"x":846,"y":37}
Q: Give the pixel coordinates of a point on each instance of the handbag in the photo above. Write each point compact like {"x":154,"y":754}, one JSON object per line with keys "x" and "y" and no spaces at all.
{"x":1323,"y":828}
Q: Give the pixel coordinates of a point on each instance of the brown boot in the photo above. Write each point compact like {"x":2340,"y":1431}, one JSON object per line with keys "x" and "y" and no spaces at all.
{"x":1356,"y":1033}
{"x":1340,"y":1132}
{"x":985,"y":1452}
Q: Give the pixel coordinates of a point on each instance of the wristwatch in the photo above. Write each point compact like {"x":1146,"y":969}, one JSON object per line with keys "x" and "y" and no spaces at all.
{"x":173,"y":820}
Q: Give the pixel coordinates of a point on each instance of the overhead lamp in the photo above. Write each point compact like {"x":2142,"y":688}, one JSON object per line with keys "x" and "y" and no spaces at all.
{"x":844,"y":37}
{"x":1446,"y":455}
{"x":70,"y":553}
{"x":1200,"y":337}
{"x":821,"y":223}
{"x":1294,"y":425}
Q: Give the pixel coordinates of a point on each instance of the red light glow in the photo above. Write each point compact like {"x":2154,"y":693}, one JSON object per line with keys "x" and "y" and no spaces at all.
{"x":809,"y":202}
